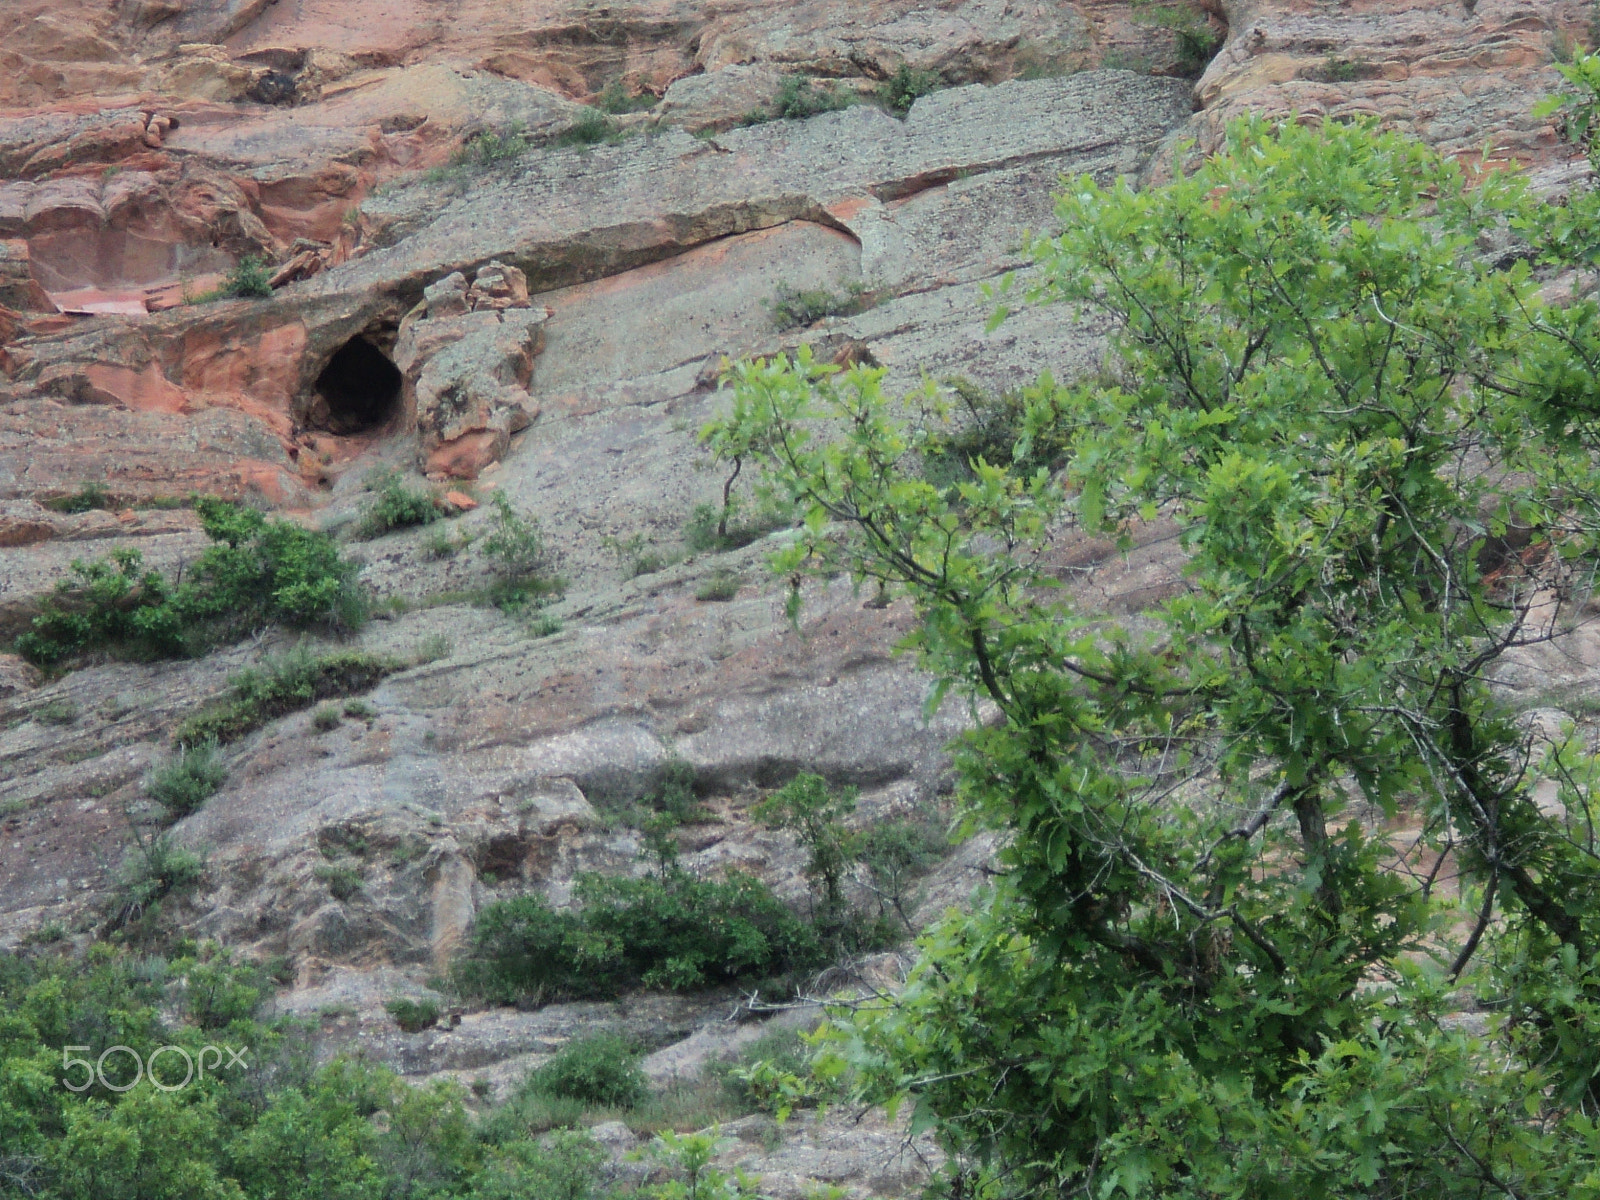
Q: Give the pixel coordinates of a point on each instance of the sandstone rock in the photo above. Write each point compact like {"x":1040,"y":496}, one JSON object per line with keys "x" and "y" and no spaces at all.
{"x":471,"y":392}
{"x":498,"y":286}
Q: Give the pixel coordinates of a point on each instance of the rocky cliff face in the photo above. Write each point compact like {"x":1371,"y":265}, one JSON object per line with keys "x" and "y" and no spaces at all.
{"x":544,"y":322}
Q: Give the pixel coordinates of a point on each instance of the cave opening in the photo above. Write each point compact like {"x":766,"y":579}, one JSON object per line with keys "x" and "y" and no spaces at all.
{"x":360,"y":386}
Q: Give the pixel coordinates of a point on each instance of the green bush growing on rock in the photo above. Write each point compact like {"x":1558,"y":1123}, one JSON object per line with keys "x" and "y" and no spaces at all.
{"x":601,"y":1070}
{"x":396,"y":506}
{"x":89,"y":496}
{"x":342,"y":881}
{"x":413,"y":1016}
{"x":614,"y":99}
{"x":151,"y":870}
{"x":187,"y":779}
{"x":283,"y":684}
{"x":256,"y":572}
{"x":589,"y":128}
{"x":799,"y":98}
{"x":673,"y":931}
{"x":250,"y":279}
{"x":797,"y":308}
{"x":905,"y":87}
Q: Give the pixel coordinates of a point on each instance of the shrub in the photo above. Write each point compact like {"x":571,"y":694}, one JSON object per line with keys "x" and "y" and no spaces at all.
{"x":360,"y":710}
{"x":614,"y":99}
{"x":674,"y":932}
{"x":814,"y":814}
{"x":721,"y":586}
{"x":59,"y":711}
{"x":89,"y":496}
{"x":902,"y":89}
{"x":326,"y":718}
{"x":256,"y":572}
{"x":565,"y":1165}
{"x":793,"y":308}
{"x":250,"y":279}
{"x":600,"y":1070}
{"x":1193,"y":36}
{"x":413,"y":1016}
{"x":799,"y":98}
{"x":396,"y":506}
{"x":152,"y":870}
{"x":715,"y":529}
{"x":432,"y":648}
{"x":589,"y":128}
{"x":281,"y":685}
{"x":343,"y":881}
{"x":187,"y":779}
{"x":515,"y":543}
{"x":993,"y":428}
{"x":494,"y":146}
{"x":544,"y":625}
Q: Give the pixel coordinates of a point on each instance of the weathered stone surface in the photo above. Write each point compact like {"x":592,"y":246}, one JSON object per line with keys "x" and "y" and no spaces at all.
{"x":596,"y":289}
{"x":1459,"y":76}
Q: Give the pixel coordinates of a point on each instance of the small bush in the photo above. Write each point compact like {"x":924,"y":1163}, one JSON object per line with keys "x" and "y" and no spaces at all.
{"x":396,"y":507}
{"x":614,"y":99}
{"x":89,"y":496}
{"x":188,"y":779}
{"x":413,"y":1016}
{"x":712,"y":529}
{"x":600,"y":1070}
{"x":326,"y":718}
{"x":439,"y":543}
{"x":256,"y":572}
{"x":902,"y":89}
{"x":672,"y":931}
{"x":544,"y":625}
{"x":343,"y":881}
{"x":515,"y":543}
{"x":155,"y":869}
{"x":60,"y":711}
{"x":793,"y":308}
{"x":722,"y":586}
{"x":284,"y":684}
{"x":360,"y":710}
{"x":635,"y":555}
{"x":1193,"y":36}
{"x":432,"y":648}
{"x":590,"y":128}
{"x":494,"y":146}
{"x":993,"y":427}
{"x":250,"y":279}
{"x":799,"y":98}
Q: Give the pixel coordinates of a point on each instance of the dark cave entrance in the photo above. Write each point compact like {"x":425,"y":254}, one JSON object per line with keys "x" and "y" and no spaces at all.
{"x":360,"y":386}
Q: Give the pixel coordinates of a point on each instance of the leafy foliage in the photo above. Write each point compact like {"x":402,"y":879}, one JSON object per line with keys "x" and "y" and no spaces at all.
{"x":396,"y":506}
{"x":589,"y":128}
{"x":251,"y":278}
{"x":905,"y":87}
{"x":413,"y":1016}
{"x":187,"y":779}
{"x":256,"y":572}
{"x":89,"y":496}
{"x":283,"y":684}
{"x":1380,"y":455}
{"x":795,"y":308}
{"x":600,"y":1070}
{"x":279,"y":1127}
{"x":671,"y":931}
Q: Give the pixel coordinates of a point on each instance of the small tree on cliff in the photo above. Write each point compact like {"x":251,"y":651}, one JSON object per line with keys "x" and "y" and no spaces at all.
{"x":1204,"y":969}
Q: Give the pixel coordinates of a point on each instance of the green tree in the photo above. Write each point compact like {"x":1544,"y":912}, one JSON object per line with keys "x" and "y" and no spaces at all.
{"x":815,"y":815}
{"x":1198,"y":972}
